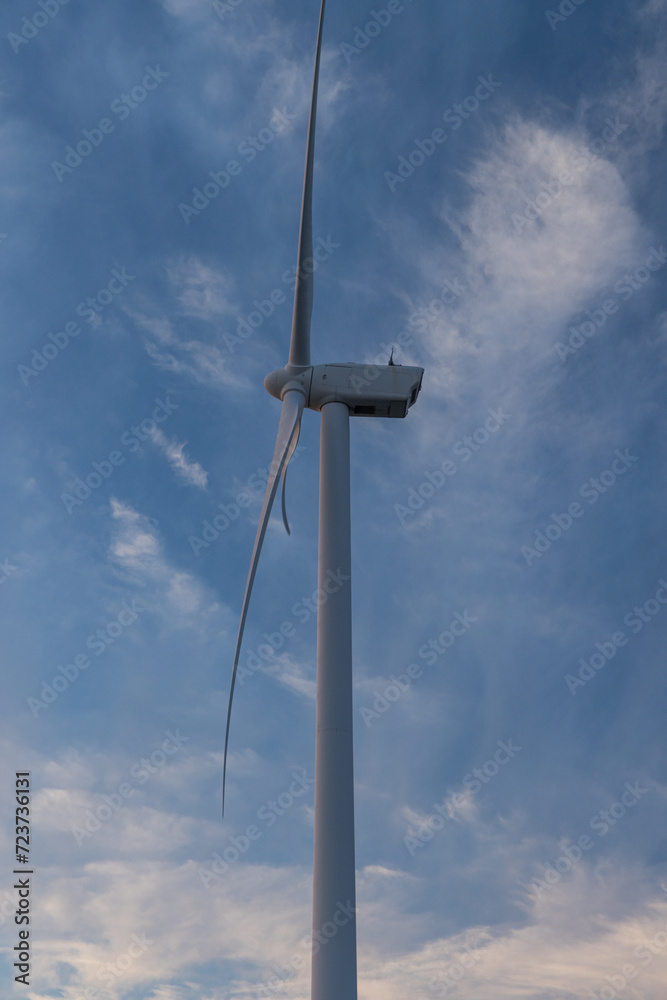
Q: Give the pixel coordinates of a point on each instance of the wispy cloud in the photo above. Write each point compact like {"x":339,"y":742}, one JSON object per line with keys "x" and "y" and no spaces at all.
{"x":203,"y":292}
{"x":292,"y":674}
{"x":190,"y":472}
{"x":137,"y":550}
{"x":258,"y":919}
{"x":526,"y":282}
{"x":203,"y":296}
{"x":202,"y":363}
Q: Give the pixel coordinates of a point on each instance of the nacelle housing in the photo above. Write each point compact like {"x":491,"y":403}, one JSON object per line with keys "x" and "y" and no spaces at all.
{"x":368,"y":390}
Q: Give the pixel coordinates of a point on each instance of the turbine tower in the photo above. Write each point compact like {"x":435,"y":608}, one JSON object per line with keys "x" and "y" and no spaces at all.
{"x":337,"y":391}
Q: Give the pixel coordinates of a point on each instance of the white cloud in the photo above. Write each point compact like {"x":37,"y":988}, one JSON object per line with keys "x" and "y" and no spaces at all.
{"x":137,"y":550}
{"x":577,"y":936}
{"x":194,"y":10}
{"x":644,"y":106}
{"x":203,"y":292}
{"x":70,"y":771}
{"x":89,"y":921}
{"x":293,"y":675}
{"x":200,"y":362}
{"x":190,"y":472}
{"x":256,"y":918}
{"x":527,"y":278}
{"x":529,"y":274}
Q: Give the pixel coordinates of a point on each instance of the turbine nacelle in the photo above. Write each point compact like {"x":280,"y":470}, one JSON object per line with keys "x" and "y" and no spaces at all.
{"x":368,"y":390}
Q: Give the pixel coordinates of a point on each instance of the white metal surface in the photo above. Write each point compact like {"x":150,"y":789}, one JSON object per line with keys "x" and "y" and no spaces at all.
{"x":368,"y":390}
{"x":334,"y":964}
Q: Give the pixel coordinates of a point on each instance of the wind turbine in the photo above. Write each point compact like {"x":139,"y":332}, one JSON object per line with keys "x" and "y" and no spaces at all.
{"x":337,"y":391}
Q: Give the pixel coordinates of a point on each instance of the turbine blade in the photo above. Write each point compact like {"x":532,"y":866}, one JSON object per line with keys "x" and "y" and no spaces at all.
{"x":288,"y":435}
{"x":292,"y":448}
{"x":299,"y":354}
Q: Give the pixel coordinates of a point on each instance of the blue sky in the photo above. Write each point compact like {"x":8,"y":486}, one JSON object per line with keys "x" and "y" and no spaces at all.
{"x":490,"y":198}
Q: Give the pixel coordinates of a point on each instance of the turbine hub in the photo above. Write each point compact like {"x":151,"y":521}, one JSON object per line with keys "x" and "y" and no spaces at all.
{"x":291,"y":376}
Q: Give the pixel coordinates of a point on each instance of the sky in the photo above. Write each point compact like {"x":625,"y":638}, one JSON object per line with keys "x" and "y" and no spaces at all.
{"x":490,"y":200}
